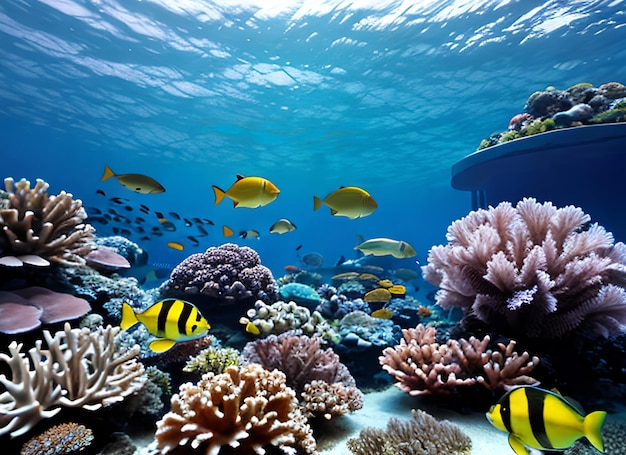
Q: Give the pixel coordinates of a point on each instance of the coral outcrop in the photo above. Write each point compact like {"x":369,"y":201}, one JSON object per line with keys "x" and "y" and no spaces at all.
{"x":247,"y":408}
{"x":421,"y":435}
{"x":324,"y":384}
{"x":62,"y":439}
{"x":227,"y":272}
{"x":37,"y":227}
{"x":420,"y":365}
{"x":79,"y":369}
{"x":532,"y":270}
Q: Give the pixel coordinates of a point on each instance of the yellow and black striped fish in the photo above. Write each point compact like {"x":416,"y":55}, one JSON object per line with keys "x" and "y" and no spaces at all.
{"x":541,"y":419}
{"x":171,"y":320}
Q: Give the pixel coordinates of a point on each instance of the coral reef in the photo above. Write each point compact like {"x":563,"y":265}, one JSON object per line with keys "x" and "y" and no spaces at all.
{"x":79,"y":369}
{"x":227,"y":272}
{"x":420,"y":365}
{"x":37,"y":227}
{"x":367,"y":330}
{"x":305,"y":363}
{"x":532,"y":270}
{"x":214,"y":359}
{"x":421,"y":435}
{"x":64,"y":438}
{"x":300,"y":293}
{"x":248,"y":408}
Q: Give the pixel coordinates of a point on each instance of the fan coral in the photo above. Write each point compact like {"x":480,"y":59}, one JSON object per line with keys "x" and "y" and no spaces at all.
{"x":422,"y":435}
{"x":533,"y":269}
{"x":421,"y":365}
{"x":304,"y":362}
{"x":248,"y":408}
{"x":228,"y":272}
{"x":37,"y":227}
{"x":65,"y":438}
{"x":79,"y":369}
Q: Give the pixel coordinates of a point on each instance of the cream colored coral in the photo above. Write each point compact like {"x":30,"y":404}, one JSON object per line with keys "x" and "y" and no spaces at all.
{"x":48,"y":226}
{"x":79,"y":369}
{"x":246,"y":408}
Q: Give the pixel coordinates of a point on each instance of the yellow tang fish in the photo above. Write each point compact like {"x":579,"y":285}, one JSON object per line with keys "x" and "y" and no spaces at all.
{"x":282,"y":226}
{"x":171,"y":320}
{"x":138,"y":183}
{"x":176,"y":246}
{"x":387,"y":247}
{"x":349,"y":201}
{"x":248,"y":192}
{"x":544,"y":420}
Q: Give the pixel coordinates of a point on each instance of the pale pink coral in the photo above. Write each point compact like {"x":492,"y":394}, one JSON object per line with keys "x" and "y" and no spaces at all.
{"x":533,"y":269}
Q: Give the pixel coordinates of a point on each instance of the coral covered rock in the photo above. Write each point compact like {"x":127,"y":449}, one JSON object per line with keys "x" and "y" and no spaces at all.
{"x":38,"y":227}
{"x":245,"y":409}
{"x":226,"y":272}
{"x":532,"y":270}
{"x":420,"y":365}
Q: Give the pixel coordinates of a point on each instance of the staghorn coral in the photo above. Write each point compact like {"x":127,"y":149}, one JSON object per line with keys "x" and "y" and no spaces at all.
{"x":421,"y":435}
{"x":533,"y":270}
{"x":227,"y":272}
{"x":420,"y":365}
{"x":303,"y":362}
{"x":79,"y":369}
{"x":64,"y":438}
{"x":245,"y":409}
{"x":38,"y":227}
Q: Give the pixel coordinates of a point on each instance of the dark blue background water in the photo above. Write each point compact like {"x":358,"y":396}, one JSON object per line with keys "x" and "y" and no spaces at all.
{"x":311,"y":95}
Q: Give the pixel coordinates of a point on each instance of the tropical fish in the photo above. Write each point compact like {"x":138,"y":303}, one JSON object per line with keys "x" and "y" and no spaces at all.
{"x":171,"y":320}
{"x":176,"y":246}
{"x":251,"y":233}
{"x":175,"y":215}
{"x":193,"y":240}
{"x":349,"y":201}
{"x":202,"y":231}
{"x":100,"y":192}
{"x":138,"y":183}
{"x":248,"y":192}
{"x":252,"y":328}
{"x":312,"y":260}
{"x":545,"y":420}
{"x":386,"y":247}
{"x":282,"y":226}
{"x":227,"y":231}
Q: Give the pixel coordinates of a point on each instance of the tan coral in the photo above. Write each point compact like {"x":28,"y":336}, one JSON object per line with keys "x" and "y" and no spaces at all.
{"x":248,"y":408}
{"x":79,"y":369}
{"x":41,"y":225}
{"x":421,"y":365}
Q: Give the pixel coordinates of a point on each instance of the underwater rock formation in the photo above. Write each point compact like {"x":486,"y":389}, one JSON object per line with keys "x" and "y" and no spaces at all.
{"x":324,"y":384}
{"x":247,"y":408}
{"x":79,"y":369}
{"x":227,"y":272}
{"x":532,"y":270}
{"x":421,"y":435}
{"x":37,"y":227}
{"x":420,"y":365}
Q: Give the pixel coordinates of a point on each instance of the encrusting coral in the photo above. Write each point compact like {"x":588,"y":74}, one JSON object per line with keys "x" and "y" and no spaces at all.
{"x":324,"y":384}
{"x":64,"y":438}
{"x":532,"y":270}
{"x":420,"y":365}
{"x":38,"y":227}
{"x":79,"y":369}
{"x":245,"y":409}
{"x":421,"y":435}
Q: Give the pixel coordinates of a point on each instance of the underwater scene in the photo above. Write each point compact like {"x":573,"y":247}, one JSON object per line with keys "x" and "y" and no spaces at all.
{"x":373,"y":227}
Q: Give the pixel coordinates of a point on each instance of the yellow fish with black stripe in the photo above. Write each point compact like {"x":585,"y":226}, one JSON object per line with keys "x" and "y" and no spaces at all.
{"x":171,"y":320}
{"x":544,"y":420}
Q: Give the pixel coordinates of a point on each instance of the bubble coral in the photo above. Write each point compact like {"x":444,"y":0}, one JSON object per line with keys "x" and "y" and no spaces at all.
{"x":227,"y":272}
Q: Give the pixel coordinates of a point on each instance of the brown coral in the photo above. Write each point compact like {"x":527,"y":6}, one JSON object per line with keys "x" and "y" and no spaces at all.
{"x":420,"y":365}
{"x":306,"y":366}
{"x":421,"y":435}
{"x":246,"y":408}
{"x":534,"y":270}
{"x":64,"y":438}
{"x":38,"y":227}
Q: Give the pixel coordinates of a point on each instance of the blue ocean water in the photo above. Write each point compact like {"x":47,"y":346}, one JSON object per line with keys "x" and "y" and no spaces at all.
{"x":312,"y":95}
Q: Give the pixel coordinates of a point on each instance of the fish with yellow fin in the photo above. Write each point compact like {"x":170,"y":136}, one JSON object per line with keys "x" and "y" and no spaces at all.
{"x":227,"y":232}
{"x":386,"y":247}
{"x":176,"y":246}
{"x":138,"y":183}
{"x":170,"y":320}
{"x":542,"y":419}
{"x":349,"y":201}
{"x":248,"y":192}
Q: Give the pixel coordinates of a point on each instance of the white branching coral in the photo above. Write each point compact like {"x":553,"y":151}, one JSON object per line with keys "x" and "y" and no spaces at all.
{"x":79,"y":369}
{"x":532,"y":270}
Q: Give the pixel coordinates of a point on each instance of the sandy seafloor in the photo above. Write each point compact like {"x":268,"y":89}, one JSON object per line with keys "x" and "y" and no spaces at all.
{"x":378,"y":408}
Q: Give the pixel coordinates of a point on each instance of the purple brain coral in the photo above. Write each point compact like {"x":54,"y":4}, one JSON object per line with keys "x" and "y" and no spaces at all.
{"x":227,"y":272}
{"x":533,"y":269}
